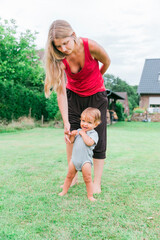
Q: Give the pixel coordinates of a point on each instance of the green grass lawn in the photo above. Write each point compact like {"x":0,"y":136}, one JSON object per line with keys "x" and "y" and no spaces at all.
{"x":33,"y":165}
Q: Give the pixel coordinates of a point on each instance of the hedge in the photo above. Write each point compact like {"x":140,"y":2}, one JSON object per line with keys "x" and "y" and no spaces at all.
{"x":17,"y":101}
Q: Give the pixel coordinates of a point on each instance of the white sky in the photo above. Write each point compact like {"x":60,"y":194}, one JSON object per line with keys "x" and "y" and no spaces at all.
{"x":129,"y":30}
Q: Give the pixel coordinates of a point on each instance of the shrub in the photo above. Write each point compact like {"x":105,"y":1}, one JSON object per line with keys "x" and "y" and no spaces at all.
{"x":52,"y":106}
{"x":120,"y":111}
{"x":17,"y":101}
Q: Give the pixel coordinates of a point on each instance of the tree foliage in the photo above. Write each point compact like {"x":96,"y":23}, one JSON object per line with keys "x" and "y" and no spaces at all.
{"x":120,"y":111}
{"x":19,"y":60}
{"x":21,"y":76}
{"x":17,"y":101}
{"x":52,"y":106}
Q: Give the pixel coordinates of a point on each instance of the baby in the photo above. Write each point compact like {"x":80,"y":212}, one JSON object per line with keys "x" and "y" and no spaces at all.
{"x":85,"y":140}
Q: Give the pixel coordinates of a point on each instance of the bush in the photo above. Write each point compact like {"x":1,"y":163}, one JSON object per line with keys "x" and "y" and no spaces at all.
{"x":17,"y":101}
{"x":120,"y":111}
{"x":52,"y":106}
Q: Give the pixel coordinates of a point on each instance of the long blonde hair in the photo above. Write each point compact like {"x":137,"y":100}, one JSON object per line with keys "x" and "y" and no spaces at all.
{"x":53,"y":57}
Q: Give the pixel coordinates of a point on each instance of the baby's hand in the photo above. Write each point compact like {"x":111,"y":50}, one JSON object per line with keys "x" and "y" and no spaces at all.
{"x":81,"y":132}
{"x":74,"y":133}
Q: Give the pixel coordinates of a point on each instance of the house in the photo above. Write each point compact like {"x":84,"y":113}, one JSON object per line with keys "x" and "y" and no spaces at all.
{"x":149,"y":86}
{"x":124,"y":101}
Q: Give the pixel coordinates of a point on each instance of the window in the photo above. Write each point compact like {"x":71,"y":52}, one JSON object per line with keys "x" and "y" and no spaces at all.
{"x":155,"y":105}
{"x":154,"y":101}
{"x":159,"y":77}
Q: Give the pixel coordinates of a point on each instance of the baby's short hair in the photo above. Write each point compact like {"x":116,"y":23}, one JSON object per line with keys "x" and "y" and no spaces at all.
{"x":94,"y":113}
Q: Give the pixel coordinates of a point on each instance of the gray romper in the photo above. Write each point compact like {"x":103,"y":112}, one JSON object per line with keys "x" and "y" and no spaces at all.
{"x":82,"y":153}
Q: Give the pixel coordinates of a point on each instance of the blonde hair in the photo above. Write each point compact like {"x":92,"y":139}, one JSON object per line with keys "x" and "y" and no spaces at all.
{"x":53,"y":57}
{"x":92,"y":113}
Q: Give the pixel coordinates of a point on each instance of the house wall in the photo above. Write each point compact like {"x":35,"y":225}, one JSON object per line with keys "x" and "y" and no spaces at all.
{"x":126,"y":106}
{"x":144,"y":100}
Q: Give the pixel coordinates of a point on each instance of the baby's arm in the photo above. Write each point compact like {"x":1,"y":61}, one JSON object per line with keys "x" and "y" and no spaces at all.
{"x":87,"y":140}
{"x":72,"y":136}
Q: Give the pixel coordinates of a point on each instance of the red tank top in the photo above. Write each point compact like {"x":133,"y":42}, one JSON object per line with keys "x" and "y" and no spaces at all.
{"x":89,"y":80}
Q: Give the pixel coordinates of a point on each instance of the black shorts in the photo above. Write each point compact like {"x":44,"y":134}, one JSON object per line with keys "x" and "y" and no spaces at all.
{"x":77,"y":104}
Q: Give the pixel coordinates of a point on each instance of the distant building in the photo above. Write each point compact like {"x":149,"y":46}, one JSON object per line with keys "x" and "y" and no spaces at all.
{"x":112,"y":98}
{"x":149,"y":86}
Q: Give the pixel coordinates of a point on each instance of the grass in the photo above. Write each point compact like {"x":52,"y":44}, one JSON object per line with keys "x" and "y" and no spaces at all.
{"x":33,"y":165}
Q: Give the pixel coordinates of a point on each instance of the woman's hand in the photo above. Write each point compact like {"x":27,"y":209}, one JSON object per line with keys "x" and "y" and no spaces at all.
{"x":67,"y":133}
{"x":74,"y":132}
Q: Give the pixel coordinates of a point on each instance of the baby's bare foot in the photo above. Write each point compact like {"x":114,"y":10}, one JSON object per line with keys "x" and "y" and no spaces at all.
{"x":92,"y":199}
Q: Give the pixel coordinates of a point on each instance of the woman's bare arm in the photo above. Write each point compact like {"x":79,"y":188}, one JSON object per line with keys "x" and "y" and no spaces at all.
{"x":63,"y":106}
{"x":100,"y":54}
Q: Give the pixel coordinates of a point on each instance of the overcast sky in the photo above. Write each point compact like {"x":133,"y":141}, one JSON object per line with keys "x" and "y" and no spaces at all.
{"x":129,"y":30}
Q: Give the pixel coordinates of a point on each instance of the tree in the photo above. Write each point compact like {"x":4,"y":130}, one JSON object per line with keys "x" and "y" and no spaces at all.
{"x":19,"y":61}
{"x":21,"y":76}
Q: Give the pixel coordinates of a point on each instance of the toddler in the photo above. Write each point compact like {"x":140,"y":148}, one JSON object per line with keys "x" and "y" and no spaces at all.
{"x":85,"y":140}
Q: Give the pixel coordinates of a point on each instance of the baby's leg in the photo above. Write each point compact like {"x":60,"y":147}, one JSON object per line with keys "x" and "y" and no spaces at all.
{"x":70,"y":175}
{"x":86,"y":171}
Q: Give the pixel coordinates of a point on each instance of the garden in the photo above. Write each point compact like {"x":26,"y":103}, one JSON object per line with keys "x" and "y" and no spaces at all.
{"x":33,"y":165}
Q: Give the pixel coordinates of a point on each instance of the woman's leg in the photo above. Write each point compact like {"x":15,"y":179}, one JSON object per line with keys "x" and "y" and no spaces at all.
{"x":70,"y":175}
{"x":98,"y":170}
{"x":86,"y":171}
{"x":69,"y":148}
{"x":99,"y":100}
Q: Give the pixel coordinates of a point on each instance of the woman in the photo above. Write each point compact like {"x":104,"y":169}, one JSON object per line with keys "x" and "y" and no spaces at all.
{"x":78,"y":58}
